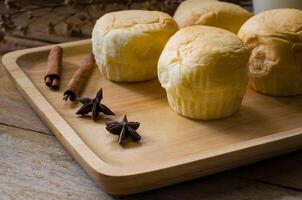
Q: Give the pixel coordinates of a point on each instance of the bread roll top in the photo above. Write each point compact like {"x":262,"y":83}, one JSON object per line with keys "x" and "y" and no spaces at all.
{"x":127,"y":44}
{"x":135,"y":20}
{"x":211,"y":13}
{"x":279,"y":23}
{"x":213,"y":57}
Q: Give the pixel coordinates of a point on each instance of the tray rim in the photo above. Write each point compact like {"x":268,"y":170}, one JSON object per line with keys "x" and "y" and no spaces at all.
{"x":76,"y":146}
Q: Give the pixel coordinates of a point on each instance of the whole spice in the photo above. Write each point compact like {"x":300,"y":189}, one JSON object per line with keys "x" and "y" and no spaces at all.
{"x":124,"y":129}
{"x":79,"y":78}
{"x":94,"y":106}
{"x":54,"y":63}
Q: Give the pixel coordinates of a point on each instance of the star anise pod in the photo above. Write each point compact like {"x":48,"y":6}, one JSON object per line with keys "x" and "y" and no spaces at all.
{"x":94,"y":106}
{"x":124,"y":129}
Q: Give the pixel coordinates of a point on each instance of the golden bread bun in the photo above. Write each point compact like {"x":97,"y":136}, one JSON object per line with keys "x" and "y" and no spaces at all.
{"x":275,"y":39}
{"x":211,"y":13}
{"x":127,"y":44}
{"x":204,"y":71}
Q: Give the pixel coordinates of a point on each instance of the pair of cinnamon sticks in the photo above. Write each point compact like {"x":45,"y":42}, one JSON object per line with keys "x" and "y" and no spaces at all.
{"x":53,"y":74}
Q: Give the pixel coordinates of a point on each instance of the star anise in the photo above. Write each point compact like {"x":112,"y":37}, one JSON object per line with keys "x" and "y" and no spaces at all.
{"x":124,"y":129}
{"x":94,"y":106}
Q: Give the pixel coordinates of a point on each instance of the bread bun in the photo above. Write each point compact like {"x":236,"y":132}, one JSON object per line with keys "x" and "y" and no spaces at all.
{"x":275,"y":39}
{"x":204,"y":71}
{"x":127,"y":44}
{"x":211,"y":13}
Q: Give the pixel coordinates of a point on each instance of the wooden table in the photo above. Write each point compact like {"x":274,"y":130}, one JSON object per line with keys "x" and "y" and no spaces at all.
{"x":33,"y":165}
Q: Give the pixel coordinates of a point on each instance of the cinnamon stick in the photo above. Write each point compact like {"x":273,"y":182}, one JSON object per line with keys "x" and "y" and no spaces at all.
{"x":54,"y":64}
{"x":79,"y":78}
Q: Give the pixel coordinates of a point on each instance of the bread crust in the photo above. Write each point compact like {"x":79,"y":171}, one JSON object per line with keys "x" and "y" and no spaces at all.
{"x":275,"y":40}
{"x":127,"y":44}
{"x":211,"y":13}
{"x":204,"y":71}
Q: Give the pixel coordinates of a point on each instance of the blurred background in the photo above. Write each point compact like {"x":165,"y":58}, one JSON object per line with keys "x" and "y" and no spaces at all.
{"x":31,"y":23}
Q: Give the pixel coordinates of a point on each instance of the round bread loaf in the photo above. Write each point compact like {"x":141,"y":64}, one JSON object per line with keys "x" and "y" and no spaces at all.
{"x":211,"y":13}
{"x":204,"y":71}
{"x":127,"y":44}
{"x":275,"y":39}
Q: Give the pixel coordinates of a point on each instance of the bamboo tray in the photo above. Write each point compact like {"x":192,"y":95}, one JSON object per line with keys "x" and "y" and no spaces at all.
{"x":173,"y":148}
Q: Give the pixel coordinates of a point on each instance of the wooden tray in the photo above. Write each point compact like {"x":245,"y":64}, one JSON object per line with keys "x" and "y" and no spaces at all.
{"x":173,"y":148}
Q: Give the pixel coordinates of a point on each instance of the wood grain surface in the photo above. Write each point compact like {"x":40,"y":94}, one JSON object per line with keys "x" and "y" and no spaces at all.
{"x":36,"y":166}
{"x":188,"y":148}
{"x":278,"y":178}
{"x":14,"y":110}
{"x":285,"y":171}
